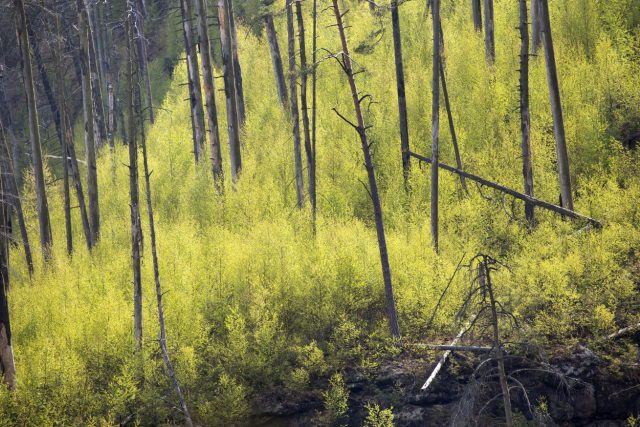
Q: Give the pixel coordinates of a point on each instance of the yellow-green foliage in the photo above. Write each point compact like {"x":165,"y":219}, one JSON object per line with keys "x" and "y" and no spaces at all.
{"x":254,"y":301}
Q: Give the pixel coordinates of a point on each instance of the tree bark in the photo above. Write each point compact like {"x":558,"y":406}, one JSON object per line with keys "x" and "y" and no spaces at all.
{"x":89,"y":134}
{"x":136,"y":230}
{"x":314,"y":201}
{"x":402,"y":99}
{"x":42,"y":206}
{"x":233,"y":125}
{"x":435,"y":122}
{"x":295,"y":119}
{"x":209,"y":92}
{"x":7,"y":363}
{"x":477,"y":14}
{"x":525,"y":117}
{"x":373,"y":186}
{"x":276,"y":59}
{"x":489,"y":36}
{"x":304,"y":73}
{"x":237,"y":70}
{"x":195,"y":94}
{"x":556,"y":108}
{"x":536,"y":26}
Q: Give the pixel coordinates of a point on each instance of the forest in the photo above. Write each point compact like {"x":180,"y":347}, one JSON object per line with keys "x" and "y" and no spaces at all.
{"x":320,"y":212}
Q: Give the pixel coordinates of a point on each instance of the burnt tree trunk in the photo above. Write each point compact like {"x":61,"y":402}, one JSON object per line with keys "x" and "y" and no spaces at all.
{"x":525,"y":117}
{"x":402,"y":98}
{"x":314,"y":102}
{"x":489,"y":35}
{"x":536,"y":26}
{"x":361,"y":129}
{"x":435,"y":122}
{"x":237,"y":70}
{"x":295,"y":119}
{"x":7,"y":363}
{"x":476,"y":10}
{"x":276,"y":59}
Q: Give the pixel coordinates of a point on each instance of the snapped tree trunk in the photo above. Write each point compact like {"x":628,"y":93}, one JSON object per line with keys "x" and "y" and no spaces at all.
{"x":233,"y":124}
{"x":195,"y":94}
{"x":7,"y":363}
{"x":237,"y":70}
{"x":276,"y":59}
{"x":361,"y":129}
{"x":136,"y":230}
{"x":536,"y":26}
{"x":209,"y":93}
{"x":295,"y":119}
{"x":402,"y":99}
{"x":42,"y":206}
{"x":435,"y":122}
{"x":489,"y":36}
{"x":477,"y":14}
{"x":304,"y":73}
{"x":525,"y":117}
{"x":556,"y":108}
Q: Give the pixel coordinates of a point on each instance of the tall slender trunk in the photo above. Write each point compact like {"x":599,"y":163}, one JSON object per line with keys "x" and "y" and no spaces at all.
{"x":143,"y":65}
{"x":276,"y":59}
{"x":96,"y":81}
{"x":402,"y":98}
{"x":304,"y":73}
{"x":476,"y":10}
{"x":435,"y":122}
{"x":233,"y":125}
{"x":89,"y":134}
{"x":525,"y":118}
{"x":373,"y":186}
{"x":295,"y":114}
{"x":7,"y":363}
{"x":237,"y":70}
{"x":195,"y":94}
{"x":489,"y":36}
{"x":136,"y":229}
{"x":42,"y":206}
{"x":556,"y":108}
{"x":10,"y":191}
{"x":536,"y":26}
{"x":209,"y":93}
{"x":6,"y":118}
{"x":314,"y":101}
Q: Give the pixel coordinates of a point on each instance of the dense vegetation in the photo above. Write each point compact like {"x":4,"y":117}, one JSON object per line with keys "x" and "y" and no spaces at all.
{"x":255,"y":303}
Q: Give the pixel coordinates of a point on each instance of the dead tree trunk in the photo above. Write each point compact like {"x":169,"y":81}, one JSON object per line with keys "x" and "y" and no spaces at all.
{"x":402,"y":98}
{"x":209,"y":93}
{"x":435,"y":122}
{"x":7,"y":363}
{"x":233,"y":124}
{"x":477,"y":14}
{"x":304,"y":73}
{"x":295,"y":119}
{"x":89,"y":134}
{"x":237,"y":70}
{"x":11,"y":194}
{"x":7,"y":119}
{"x":141,"y":43}
{"x":276,"y":59}
{"x":489,"y":36}
{"x":314,"y":204}
{"x":136,"y":230}
{"x":361,"y":129}
{"x":96,"y":79}
{"x":556,"y":108}
{"x":536,"y":26}
{"x":195,"y":94}
{"x":525,"y":117}
{"x":34,"y":131}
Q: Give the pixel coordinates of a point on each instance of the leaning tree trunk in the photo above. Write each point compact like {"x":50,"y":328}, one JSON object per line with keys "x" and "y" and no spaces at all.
{"x":435,"y":121}
{"x":34,"y":131}
{"x":295,"y":119}
{"x":136,"y":230}
{"x":89,"y":135}
{"x":536,"y":26}
{"x":237,"y":71}
{"x":233,"y":124}
{"x":402,"y":98}
{"x":477,"y":14}
{"x":525,"y":117}
{"x":304,"y":72}
{"x":489,"y":36}
{"x":7,"y":364}
{"x":373,"y":186}
{"x":556,"y":109}
{"x":276,"y":59}
{"x":209,"y":93}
